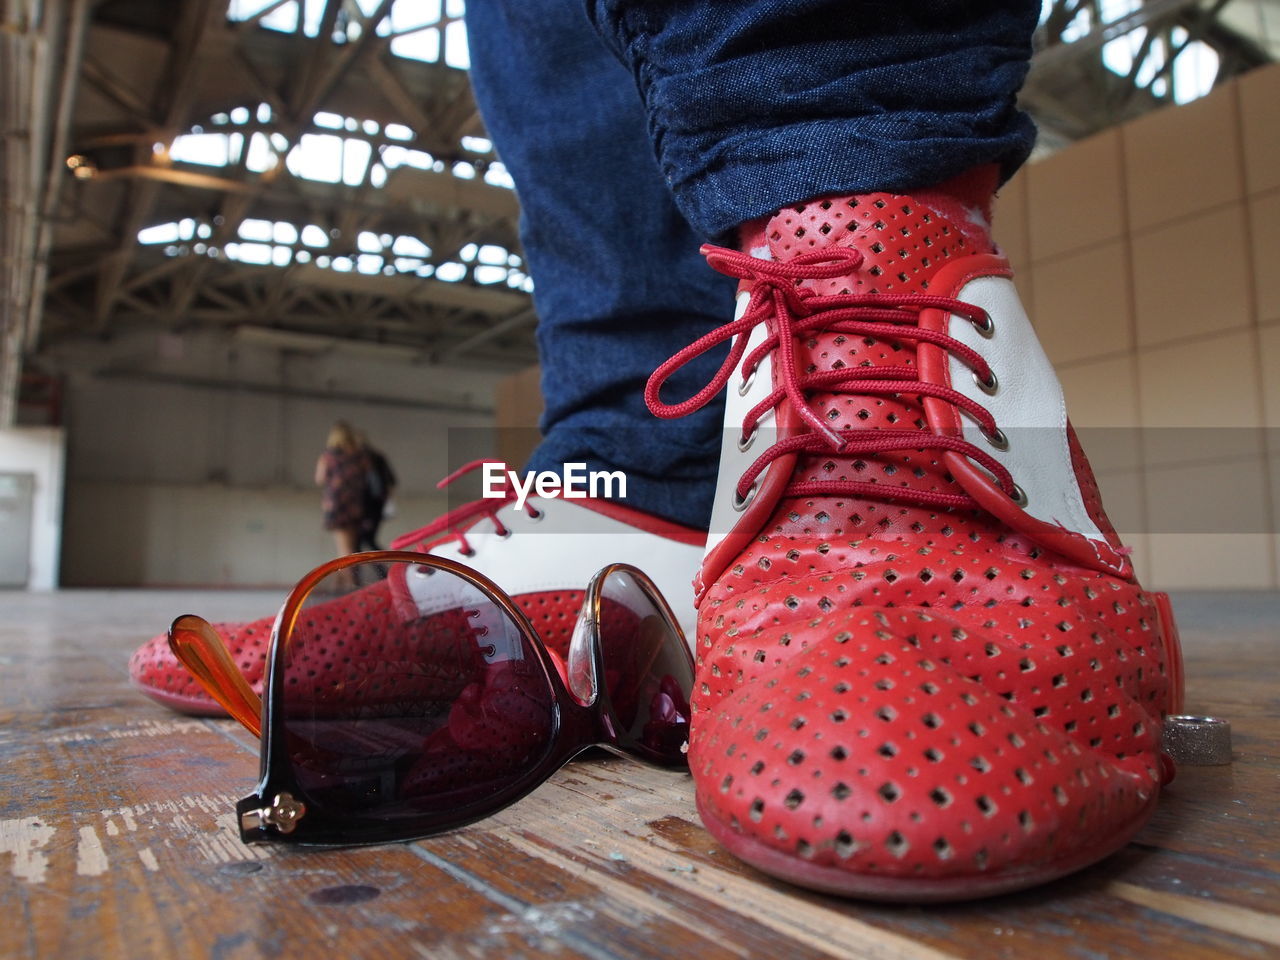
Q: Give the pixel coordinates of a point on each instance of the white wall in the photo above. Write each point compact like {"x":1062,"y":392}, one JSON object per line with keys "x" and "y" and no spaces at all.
{"x":170,"y":484}
{"x":39,"y":450}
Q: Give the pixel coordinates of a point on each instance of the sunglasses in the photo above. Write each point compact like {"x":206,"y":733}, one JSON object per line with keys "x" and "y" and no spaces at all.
{"x":426,"y":700}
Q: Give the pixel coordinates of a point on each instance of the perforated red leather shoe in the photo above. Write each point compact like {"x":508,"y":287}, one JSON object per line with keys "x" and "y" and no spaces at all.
{"x":543,"y":555}
{"x":925,"y":668}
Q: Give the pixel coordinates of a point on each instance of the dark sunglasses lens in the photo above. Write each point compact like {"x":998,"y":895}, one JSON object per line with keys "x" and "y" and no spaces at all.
{"x":412,"y":697}
{"x":648,"y":670}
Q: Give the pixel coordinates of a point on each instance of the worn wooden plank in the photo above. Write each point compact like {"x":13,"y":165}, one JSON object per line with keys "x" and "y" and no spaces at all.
{"x":116,"y":839}
{"x":671,"y":859}
{"x":117,"y":821}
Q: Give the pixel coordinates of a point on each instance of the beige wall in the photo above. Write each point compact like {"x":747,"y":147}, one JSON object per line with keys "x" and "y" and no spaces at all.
{"x":1148,"y":258}
{"x":156,"y":534}
{"x":172,"y":485}
{"x":517,"y":408}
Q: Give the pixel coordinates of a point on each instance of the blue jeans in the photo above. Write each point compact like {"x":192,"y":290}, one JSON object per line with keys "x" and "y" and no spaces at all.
{"x":634,"y":130}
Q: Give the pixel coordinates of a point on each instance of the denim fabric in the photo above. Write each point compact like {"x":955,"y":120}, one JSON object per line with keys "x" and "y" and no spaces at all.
{"x":619,"y":284}
{"x":748,"y":106}
{"x":757,"y":104}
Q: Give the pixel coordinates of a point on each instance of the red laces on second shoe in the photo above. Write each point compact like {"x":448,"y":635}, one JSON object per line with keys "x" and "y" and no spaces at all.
{"x":791,"y":310}
{"x":454,"y":524}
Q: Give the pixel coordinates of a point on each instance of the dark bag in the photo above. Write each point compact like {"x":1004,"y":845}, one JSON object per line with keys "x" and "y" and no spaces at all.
{"x":380,"y":479}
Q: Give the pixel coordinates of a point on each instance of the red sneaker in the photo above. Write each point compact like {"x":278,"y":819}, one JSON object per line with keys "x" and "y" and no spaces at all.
{"x":926,"y":671}
{"x":543,"y":555}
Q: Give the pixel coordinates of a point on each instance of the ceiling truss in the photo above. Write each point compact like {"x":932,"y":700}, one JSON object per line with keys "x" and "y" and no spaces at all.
{"x":152,"y":71}
{"x":98,"y":90}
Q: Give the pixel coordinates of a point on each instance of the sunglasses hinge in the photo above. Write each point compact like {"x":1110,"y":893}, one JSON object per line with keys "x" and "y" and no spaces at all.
{"x":283,"y":814}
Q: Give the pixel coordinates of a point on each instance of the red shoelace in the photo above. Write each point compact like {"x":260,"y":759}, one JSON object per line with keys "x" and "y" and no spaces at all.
{"x":454,"y":524}
{"x":791,"y":310}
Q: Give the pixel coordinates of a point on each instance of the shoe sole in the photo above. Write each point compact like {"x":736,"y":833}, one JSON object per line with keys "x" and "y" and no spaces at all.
{"x":178,"y":704}
{"x":913,"y":890}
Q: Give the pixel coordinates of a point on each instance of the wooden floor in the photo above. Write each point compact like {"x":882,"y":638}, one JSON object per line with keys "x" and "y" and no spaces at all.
{"x":117,"y":839}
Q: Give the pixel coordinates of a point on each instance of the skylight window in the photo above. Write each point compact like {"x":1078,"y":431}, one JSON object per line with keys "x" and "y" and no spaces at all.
{"x":280,"y":243}
{"x":1190,"y":76}
{"x":314,"y":236}
{"x":410,"y":247}
{"x":339,"y":149}
{"x":160,"y":233}
{"x":496,"y":176}
{"x":208,"y":149}
{"x":261,"y":156}
{"x":422,"y":30}
{"x":256,"y":230}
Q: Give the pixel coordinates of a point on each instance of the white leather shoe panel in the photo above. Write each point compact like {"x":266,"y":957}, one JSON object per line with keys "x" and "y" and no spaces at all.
{"x":568,"y":545}
{"x":734,"y":461}
{"x":1028,"y":406}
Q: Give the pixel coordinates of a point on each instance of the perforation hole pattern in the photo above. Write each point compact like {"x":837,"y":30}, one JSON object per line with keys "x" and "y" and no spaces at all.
{"x":948,"y":771}
{"x":354,"y":619}
{"x":898,"y":238}
{"x":999,"y":705}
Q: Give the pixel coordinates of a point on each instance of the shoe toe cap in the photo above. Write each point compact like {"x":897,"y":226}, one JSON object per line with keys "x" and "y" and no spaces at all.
{"x":868,"y":753}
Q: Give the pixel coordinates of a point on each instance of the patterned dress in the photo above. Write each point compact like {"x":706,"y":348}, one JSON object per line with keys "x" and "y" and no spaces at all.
{"x":345,"y":475}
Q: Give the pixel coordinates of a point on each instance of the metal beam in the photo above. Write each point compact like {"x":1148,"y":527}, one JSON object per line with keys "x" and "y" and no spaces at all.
{"x":72,"y":54}
{"x":484,"y":336}
{"x":182,"y":72}
{"x":266,"y":12}
{"x":282,"y":390}
{"x":106,"y":83}
{"x":1053,"y":58}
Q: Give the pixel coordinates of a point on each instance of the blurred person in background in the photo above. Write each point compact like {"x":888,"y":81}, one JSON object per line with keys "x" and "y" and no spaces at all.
{"x":380,"y":484}
{"x":342,"y":472}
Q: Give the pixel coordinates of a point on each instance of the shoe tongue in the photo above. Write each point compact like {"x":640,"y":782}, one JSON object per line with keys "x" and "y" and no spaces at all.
{"x":904,"y":243}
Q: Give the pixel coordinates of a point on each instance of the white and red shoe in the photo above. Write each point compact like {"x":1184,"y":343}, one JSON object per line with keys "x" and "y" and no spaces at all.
{"x":925,"y":668}
{"x":542,"y":554}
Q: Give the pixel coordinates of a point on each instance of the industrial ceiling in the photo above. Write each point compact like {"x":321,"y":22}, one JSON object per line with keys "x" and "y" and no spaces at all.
{"x":300,"y":171}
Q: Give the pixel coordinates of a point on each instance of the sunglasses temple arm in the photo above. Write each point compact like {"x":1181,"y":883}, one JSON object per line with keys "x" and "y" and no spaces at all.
{"x":199,"y":648}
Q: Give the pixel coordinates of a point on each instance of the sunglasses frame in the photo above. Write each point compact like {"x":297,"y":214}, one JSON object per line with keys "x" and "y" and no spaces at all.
{"x":276,"y":811}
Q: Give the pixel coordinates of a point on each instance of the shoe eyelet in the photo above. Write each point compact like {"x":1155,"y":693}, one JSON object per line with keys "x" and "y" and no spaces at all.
{"x":997,"y":439}
{"x":989,"y":387}
{"x":740,"y":503}
{"x":745,"y":441}
{"x":985,"y":326}
{"x":468,"y":552}
{"x":1019,"y":496}
{"x":745,"y":386}
{"x":536,"y":516}
{"x":422,"y":570}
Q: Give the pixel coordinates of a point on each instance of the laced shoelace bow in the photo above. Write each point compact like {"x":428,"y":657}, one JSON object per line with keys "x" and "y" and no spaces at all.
{"x":793,"y":310}
{"x":454,"y":524}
